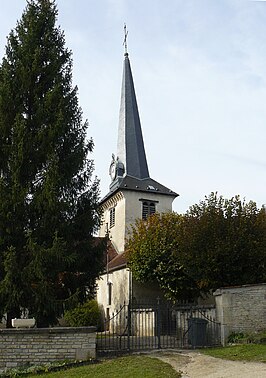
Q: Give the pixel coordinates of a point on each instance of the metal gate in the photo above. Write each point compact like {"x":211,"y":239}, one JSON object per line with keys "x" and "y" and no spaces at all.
{"x":158,"y":325}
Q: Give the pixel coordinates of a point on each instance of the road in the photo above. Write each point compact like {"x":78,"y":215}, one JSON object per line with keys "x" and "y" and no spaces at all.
{"x":195,"y":365}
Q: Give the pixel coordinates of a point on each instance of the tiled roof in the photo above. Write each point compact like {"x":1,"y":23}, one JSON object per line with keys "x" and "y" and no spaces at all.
{"x":114,"y":260}
{"x":118,"y":262}
{"x":147,"y":185}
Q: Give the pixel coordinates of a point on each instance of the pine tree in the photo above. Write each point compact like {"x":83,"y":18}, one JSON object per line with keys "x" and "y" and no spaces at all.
{"x":48,"y":207}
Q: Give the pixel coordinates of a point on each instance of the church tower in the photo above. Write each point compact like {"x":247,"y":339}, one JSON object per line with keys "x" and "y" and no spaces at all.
{"x":133,"y":193}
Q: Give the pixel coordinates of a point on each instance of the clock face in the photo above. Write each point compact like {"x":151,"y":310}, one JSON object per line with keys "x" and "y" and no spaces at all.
{"x":113,"y":171}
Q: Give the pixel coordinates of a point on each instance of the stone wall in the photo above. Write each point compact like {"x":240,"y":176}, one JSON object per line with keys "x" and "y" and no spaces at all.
{"x":241,"y":309}
{"x":36,"y":346}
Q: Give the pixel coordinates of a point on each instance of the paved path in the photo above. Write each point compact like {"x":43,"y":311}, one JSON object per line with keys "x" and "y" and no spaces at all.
{"x":196,"y":365}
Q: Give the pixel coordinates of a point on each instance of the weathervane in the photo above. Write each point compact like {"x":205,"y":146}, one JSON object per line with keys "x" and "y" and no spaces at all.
{"x":125,"y":38}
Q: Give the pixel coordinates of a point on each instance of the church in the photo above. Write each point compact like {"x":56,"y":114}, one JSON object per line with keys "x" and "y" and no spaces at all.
{"x":137,"y":311}
{"x":133,"y":194}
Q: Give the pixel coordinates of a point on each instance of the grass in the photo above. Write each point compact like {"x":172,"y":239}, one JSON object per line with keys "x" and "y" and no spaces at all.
{"x":129,"y":366}
{"x":240,"y":352}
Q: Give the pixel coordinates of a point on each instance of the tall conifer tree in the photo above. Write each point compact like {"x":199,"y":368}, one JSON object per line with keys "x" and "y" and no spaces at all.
{"x":48,"y":200}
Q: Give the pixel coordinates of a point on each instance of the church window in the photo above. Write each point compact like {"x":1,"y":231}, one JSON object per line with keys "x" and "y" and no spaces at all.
{"x":107,"y":323}
{"x":148,"y":208}
{"x":112,"y":217}
{"x":109,"y":293}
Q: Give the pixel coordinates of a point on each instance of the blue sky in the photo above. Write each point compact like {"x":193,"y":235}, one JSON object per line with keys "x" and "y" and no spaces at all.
{"x":199,"y":69}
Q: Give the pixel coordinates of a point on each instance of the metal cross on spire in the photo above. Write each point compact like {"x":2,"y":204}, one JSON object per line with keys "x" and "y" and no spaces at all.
{"x":125,"y":38}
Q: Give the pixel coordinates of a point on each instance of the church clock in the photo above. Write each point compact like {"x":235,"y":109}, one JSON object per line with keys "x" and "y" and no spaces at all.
{"x":113,"y":168}
{"x":112,"y":171}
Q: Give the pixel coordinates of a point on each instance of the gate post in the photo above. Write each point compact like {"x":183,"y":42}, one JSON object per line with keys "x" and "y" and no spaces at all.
{"x":159,"y":322}
{"x":128,"y":324}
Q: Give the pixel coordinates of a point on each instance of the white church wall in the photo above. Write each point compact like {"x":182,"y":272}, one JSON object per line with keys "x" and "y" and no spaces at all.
{"x":128,"y":208}
{"x":133,"y":209}
{"x":116,"y":231}
{"x":119,"y":281}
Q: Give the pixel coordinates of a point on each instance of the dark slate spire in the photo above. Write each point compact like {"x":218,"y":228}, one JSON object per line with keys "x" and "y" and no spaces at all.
{"x":130,"y":146}
{"x":129,"y":169}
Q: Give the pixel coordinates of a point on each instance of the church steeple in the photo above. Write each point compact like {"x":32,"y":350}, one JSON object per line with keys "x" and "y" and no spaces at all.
{"x":129,"y":169}
{"x":130,"y":146}
{"x":133,"y":193}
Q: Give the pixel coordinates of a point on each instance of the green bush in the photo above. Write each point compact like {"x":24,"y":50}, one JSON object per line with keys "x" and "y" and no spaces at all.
{"x":257,"y":337}
{"x":84,"y":315}
{"x":247,"y":338}
{"x":235,"y":337}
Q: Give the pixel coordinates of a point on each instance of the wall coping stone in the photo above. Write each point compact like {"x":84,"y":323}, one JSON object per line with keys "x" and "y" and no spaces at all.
{"x":222,"y":290}
{"x":52,"y":330}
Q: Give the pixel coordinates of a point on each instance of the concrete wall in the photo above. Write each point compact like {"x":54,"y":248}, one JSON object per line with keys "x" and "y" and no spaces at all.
{"x":143,"y":322}
{"x":37,"y":346}
{"x":241,"y":309}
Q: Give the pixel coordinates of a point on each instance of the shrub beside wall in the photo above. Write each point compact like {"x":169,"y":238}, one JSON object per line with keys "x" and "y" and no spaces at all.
{"x":85,"y":315}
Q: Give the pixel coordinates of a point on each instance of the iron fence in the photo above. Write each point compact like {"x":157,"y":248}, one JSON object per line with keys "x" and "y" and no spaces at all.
{"x":136,"y":327}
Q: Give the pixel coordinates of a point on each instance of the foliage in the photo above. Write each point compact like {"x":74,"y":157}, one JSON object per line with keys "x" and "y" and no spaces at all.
{"x":244,"y":338}
{"x":152,"y":251}
{"x":225,"y":242}
{"x":48,"y":208}
{"x":29,"y":370}
{"x":235,"y":337}
{"x":87,"y":314}
{"x":129,"y":366}
{"x":217,"y":243}
{"x":242,"y":352}
{"x":257,"y":337}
